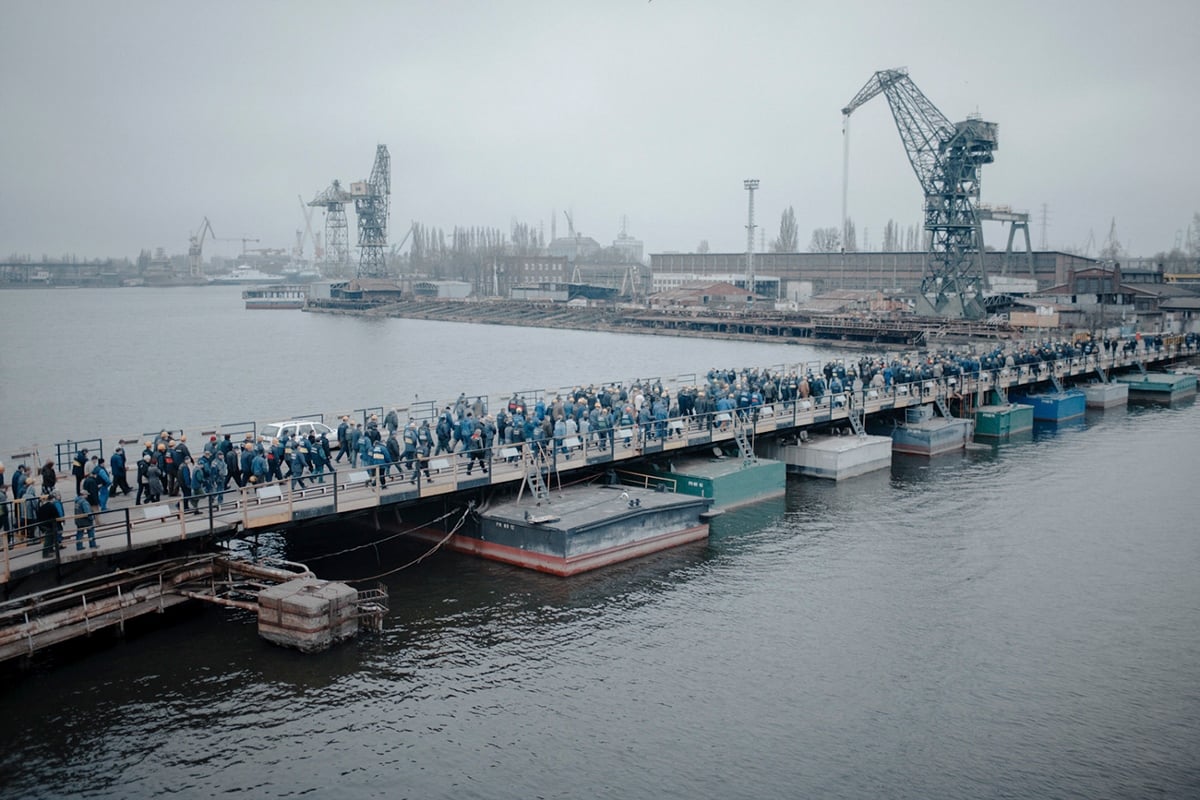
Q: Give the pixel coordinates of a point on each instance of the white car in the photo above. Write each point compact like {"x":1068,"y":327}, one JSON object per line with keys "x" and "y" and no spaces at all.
{"x":298,"y":427}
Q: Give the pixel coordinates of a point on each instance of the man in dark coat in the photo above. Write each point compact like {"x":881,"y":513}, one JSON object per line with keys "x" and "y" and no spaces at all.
{"x":119,"y":469}
{"x":78,"y":468}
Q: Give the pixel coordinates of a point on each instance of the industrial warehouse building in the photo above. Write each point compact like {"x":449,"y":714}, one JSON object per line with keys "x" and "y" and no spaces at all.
{"x":817,"y":273}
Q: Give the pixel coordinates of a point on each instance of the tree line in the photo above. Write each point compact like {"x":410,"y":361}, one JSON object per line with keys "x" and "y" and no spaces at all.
{"x":462,"y":253}
{"x":832,"y":239}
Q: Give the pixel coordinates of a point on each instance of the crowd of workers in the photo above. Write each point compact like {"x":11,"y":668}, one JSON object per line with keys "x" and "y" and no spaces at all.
{"x":592,"y":416}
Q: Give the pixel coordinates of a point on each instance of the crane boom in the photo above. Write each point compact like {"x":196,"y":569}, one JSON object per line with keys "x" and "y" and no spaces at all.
{"x":946,"y":158}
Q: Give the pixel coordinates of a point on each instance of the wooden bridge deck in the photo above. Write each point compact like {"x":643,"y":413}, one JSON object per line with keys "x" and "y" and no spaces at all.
{"x":126,"y":527}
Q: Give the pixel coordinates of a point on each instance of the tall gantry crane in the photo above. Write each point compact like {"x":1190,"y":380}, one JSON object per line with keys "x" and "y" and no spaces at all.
{"x":196,"y":248}
{"x":946,"y":158}
{"x":337,"y":240}
{"x":371,"y":200}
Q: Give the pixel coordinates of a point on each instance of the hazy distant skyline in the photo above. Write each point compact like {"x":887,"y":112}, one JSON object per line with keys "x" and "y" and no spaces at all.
{"x":126,"y":123}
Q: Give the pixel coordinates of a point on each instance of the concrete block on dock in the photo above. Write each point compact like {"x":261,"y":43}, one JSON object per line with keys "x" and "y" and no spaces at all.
{"x":307,"y":614}
{"x":836,"y":457}
{"x":1106,"y":395}
{"x":931,"y":437}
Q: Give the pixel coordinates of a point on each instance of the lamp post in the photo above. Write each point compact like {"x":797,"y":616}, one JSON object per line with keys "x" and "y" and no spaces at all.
{"x":751,"y":184}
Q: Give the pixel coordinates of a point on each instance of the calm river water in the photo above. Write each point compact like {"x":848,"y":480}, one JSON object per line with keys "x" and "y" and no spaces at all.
{"x":1022,"y":622}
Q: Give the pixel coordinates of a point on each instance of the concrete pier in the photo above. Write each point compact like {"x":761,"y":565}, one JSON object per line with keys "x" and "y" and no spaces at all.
{"x":307,"y":614}
{"x":836,"y":457}
{"x":1106,"y":395}
{"x":925,"y":434}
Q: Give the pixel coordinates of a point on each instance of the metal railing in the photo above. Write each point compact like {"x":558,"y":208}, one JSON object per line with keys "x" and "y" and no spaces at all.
{"x":353,"y":488}
{"x":64,"y":452}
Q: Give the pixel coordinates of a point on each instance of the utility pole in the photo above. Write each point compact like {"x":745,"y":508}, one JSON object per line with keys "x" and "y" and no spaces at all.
{"x":751,"y":184}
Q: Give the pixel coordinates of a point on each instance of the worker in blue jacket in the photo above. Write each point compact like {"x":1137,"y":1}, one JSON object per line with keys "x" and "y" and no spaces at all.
{"x":465,"y":428}
{"x":84,"y":522}
{"x":378,"y":460}
{"x":297,"y":467}
{"x":410,"y":449}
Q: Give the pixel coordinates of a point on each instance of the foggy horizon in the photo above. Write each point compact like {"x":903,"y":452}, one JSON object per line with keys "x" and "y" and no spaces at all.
{"x":132,"y":122}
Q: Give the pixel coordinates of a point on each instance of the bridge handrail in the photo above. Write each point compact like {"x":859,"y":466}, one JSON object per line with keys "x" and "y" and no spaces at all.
{"x":692,"y":430}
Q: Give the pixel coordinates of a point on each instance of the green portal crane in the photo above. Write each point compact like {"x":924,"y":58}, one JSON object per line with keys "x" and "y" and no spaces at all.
{"x":946,"y":157}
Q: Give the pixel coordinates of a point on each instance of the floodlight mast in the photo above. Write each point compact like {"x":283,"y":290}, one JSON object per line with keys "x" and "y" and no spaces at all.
{"x":751,"y":184}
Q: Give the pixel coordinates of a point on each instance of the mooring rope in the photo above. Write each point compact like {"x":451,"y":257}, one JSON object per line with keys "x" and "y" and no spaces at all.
{"x":376,"y":542}
{"x":461,"y":521}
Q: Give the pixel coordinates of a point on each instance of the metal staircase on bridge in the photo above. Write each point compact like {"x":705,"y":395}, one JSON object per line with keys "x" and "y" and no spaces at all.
{"x":1055,"y":382}
{"x":745,"y":448}
{"x":940,"y":403}
{"x":857,"y":415}
{"x":533,"y":477}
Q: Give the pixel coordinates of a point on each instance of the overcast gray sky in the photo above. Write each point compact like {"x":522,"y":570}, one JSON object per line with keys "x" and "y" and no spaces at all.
{"x":126,"y":123}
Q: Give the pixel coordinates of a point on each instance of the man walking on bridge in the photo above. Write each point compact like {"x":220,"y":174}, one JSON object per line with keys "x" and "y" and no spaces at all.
{"x":83,"y":521}
{"x":343,"y":439}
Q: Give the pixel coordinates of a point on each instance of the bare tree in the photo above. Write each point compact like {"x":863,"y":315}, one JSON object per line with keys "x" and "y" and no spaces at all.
{"x":851,"y":237}
{"x":789,"y":234}
{"x":1112,"y":249}
{"x":703,"y":246}
{"x":891,"y":237}
{"x":1174,"y":261}
{"x":825,"y":240}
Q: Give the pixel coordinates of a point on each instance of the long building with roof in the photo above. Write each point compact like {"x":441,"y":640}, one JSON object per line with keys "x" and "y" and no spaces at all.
{"x":887,"y":272}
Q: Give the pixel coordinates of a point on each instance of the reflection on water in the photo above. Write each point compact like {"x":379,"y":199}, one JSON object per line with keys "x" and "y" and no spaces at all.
{"x":1020,"y":616}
